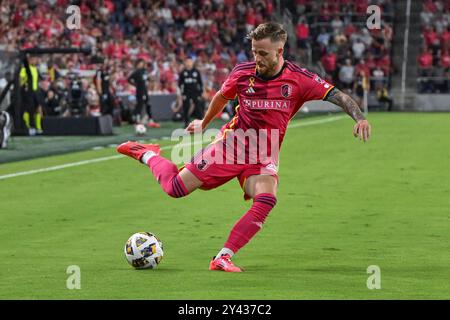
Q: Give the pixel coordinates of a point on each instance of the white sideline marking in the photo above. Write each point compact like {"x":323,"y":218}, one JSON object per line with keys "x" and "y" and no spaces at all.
{"x":81,"y":163}
{"x":313,"y":122}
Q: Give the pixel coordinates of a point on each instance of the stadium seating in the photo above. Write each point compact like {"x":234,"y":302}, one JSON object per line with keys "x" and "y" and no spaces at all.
{"x":328,"y":33}
{"x":331,"y":32}
{"x":163,"y":33}
{"x":434,"y":59}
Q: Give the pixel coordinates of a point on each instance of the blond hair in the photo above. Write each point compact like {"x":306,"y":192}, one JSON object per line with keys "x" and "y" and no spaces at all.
{"x":272,"y":30}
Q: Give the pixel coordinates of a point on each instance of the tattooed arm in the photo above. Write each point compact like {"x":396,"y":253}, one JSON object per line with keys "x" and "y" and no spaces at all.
{"x":344,"y":101}
{"x":362,"y":127}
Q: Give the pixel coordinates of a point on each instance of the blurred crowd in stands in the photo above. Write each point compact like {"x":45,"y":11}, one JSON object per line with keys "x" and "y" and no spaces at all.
{"x":330,"y":34}
{"x":120,"y":32}
{"x":434,"y":58}
{"x":333,"y":34}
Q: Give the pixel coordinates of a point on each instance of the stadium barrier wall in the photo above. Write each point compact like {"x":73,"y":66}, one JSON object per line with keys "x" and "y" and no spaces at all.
{"x":56,"y":126}
{"x":162,"y":106}
{"x":431,"y":102}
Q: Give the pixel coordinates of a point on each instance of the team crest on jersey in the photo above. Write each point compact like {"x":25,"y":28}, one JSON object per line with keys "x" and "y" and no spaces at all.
{"x":286,"y":90}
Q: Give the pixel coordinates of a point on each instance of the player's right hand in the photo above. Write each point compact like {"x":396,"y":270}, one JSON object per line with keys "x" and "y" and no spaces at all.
{"x":362,"y":130}
{"x":195,"y":126}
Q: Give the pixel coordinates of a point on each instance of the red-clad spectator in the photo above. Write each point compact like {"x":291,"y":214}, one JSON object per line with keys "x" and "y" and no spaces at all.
{"x":333,"y":6}
{"x":84,"y":9}
{"x":190,"y":34}
{"x":218,"y":15}
{"x":17,"y":18}
{"x":230,"y":15}
{"x":445,"y":39}
{"x":445,"y":59}
{"x":362,"y":67}
{"x":430,"y":5}
{"x":124,"y":47}
{"x":30,"y":24}
{"x":361,"y":7}
{"x":250,"y":20}
{"x":370,"y":62}
{"x":385,"y":63}
{"x":258,"y":18}
{"x":430,"y":36}
{"x":329,"y":61}
{"x":269,"y":7}
{"x":302,"y":32}
{"x":27,"y":45}
{"x":213,"y":29}
{"x":349,"y":30}
{"x":143,"y":54}
{"x":138,"y":21}
{"x":228,"y":3}
{"x":46,"y":21}
{"x":116,"y":32}
{"x":75,"y":39}
{"x":325,"y":13}
{"x":109,"y":5}
{"x":425,"y":61}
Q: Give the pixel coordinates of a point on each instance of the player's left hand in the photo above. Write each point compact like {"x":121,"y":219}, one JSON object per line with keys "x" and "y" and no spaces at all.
{"x":195,"y":126}
{"x":362,"y":130}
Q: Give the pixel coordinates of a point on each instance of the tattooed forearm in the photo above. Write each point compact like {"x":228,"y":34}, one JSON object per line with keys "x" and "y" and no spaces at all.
{"x":345,"y":102}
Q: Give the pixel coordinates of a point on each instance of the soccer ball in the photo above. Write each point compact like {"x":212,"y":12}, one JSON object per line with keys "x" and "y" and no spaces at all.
{"x":225,"y":116}
{"x":140,"y":129}
{"x":144,"y":250}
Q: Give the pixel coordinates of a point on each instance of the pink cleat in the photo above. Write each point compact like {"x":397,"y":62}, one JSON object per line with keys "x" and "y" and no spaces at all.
{"x":137,"y":150}
{"x":152,"y":124}
{"x":223,"y":264}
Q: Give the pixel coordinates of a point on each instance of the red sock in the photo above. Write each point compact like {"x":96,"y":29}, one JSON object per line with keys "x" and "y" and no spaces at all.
{"x":251,"y":222}
{"x":166,"y":173}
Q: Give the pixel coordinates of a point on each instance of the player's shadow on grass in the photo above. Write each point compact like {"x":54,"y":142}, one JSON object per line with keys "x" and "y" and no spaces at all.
{"x":164,"y":270}
{"x":333,"y":269}
{"x":159,"y":269}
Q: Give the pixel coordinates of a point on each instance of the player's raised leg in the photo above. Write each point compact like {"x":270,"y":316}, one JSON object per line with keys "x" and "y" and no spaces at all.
{"x":175,"y":184}
{"x":262,"y":188}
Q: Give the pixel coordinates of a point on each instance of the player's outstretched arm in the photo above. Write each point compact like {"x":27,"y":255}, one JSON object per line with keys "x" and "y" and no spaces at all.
{"x":217,"y":104}
{"x":362,"y":127}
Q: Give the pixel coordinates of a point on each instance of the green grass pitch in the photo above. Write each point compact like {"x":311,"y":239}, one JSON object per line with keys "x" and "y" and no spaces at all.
{"x":343,"y":205}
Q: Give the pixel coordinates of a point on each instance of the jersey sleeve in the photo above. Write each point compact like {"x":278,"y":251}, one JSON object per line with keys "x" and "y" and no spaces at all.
{"x":229,"y":87}
{"x":315,"y":88}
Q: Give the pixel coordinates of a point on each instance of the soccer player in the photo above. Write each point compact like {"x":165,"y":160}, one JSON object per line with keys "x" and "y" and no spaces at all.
{"x":270,"y":91}
{"x":139,"y":78}
{"x":102,"y":81}
{"x":29,"y":79}
{"x":191,"y":86}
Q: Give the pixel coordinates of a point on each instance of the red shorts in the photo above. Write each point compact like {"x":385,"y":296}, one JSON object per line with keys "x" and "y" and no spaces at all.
{"x":215,"y":173}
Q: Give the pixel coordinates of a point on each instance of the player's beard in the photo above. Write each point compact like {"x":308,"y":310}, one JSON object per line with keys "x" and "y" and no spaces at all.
{"x":267,"y":70}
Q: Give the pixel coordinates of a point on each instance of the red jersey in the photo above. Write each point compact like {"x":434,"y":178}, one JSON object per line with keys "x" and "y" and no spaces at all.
{"x":270,"y":103}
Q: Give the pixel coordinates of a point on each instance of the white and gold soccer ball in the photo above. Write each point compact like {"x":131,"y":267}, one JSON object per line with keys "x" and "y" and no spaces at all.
{"x":140,"y":129}
{"x":144,"y":250}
